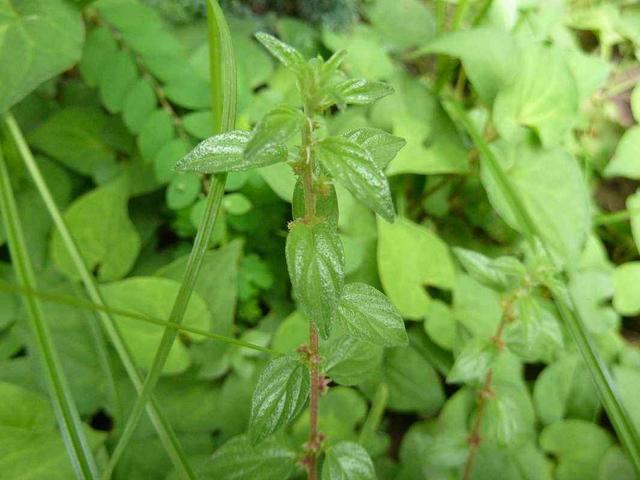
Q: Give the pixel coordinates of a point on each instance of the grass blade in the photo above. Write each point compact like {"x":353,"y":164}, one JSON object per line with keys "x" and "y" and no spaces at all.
{"x":223,"y":95}
{"x":162,"y":426}
{"x":87,"y":305}
{"x":600,"y":374}
{"x":65,"y":409}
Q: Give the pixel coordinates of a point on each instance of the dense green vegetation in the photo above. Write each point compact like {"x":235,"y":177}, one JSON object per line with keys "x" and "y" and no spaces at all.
{"x":336,"y":239}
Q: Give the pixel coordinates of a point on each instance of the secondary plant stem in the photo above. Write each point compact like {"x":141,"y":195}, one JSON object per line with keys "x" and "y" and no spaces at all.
{"x":486,"y":392}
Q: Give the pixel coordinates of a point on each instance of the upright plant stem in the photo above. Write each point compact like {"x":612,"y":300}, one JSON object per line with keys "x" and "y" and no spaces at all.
{"x":315,"y":378}
{"x":64,"y":407}
{"x":162,"y":426}
{"x":223,"y":86}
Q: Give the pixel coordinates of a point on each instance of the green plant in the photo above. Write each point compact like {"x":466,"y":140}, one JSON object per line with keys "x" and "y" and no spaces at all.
{"x":314,"y":251}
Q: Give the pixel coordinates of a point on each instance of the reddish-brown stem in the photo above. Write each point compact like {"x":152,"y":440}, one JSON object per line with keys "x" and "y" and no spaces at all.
{"x":486,"y":391}
{"x":316,"y":387}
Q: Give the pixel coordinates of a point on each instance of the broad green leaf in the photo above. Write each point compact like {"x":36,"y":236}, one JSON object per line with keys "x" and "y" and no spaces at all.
{"x":280,"y":395}
{"x":414,"y":386}
{"x":166,"y":158}
{"x":579,"y":447}
{"x":401,"y":23}
{"x":40,"y":39}
{"x":543,"y":97}
{"x":100,"y":44}
{"x":138,"y":105}
{"x":349,"y":361}
{"x":633,"y":206}
{"x":198,"y":124}
{"x":628,"y":381}
{"x":77,"y":137}
{"x":366,"y":56}
{"x":117,"y":77}
{"x":275,"y":128}
{"x":616,"y":464}
{"x":480,"y":268}
{"x":358,"y":91}
{"x":286,"y":54}
{"x":367,"y":314}
{"x":100,"y":225}
{"x":189,"y":91}
{"x":382,"y":146}
{"x":554,"y":192}
{"x":626,"y":280}
{"x":489,"y":55}
{"x":440,"y":324}
{"x":535,"y":334}
{"x":476,"y":307}
{"x":473,"y":362}
{"x":347,"y":461}
{"x":552,"y":389}
{"x":354,"y":168}
{"x":591,"y":291}
{"x":625,"y":161}
{"x":315,"y":259}
{"x":238,"y":459}
{"x":153,"y":297}
{"x":225,"y":153}
{"x":157,"y":131}
{"x":28,"y":432}
{"x":183,"y":190}
{"x":423,"y":260}
{"x":510,"y":418}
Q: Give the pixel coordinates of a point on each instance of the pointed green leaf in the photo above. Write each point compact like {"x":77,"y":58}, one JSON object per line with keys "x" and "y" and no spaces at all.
{"x":473,"y":362}
{"x":347,"y":461}
{"x":382,"y":146}
{"x":480,"y":268}
{"x":286,"y":54}
{"x":367,"y":314}
{"x":225,"y":153}
{"x":237,"y":459}
{"x":358,"y":91}
{"x":353,"y":166}
{"x":315,"y":259}
{"x":276,"y":127}
{"x":279,"y":397}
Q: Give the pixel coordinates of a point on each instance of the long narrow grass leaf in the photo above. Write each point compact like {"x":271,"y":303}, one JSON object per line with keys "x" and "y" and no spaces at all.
{"x":130,"y":314}
{"x":163,"y":428}
{"x":223,"y":95}
{"x":607,"y":390}
{"x":64,"y":406}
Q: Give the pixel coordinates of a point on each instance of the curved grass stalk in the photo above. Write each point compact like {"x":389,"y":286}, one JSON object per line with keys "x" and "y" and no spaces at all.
{"x":94,"y":307}
{"x":64,"y":406}
{"x":162,"y":426}
{"x":223,"y":95}
{"x":600,"y":374}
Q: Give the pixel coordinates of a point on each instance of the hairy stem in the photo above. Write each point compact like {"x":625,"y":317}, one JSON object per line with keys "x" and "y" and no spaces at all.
{"x":310,"y":460}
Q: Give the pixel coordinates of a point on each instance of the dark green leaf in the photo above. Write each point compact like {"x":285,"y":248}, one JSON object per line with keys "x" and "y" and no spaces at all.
{"x":382,"y":146}
{"x":358,"y":91}
{"x":347,"y":461}
{"x":353,"y":166}
{"x":286,"y":54}
{"x":280,"y":395}
{"x":367,"y":314}
{"x":315,"y":259}
{"x":275,"y":128}
{"x":237,"y":459}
